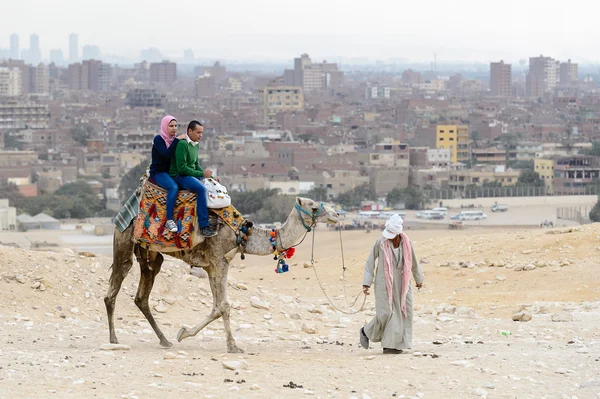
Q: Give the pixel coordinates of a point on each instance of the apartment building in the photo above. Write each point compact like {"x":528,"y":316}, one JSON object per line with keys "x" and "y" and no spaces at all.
{"x":567,"y":175}
{"x":10,"y":82}
{"x":456,"y":139}
{"x":460,"y":179}
{"x":163,"y":72}
{"x":313,"y":76}
{"x":569,"y":73}
{"x":274,"y":99}
{"x":22,"y":115}
{"x":545,"y":169}
{"x":500,"y":79}
{"x":542,"y":76}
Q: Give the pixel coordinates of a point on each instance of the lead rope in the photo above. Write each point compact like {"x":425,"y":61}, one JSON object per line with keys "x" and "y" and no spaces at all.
{"x":312,"y":261}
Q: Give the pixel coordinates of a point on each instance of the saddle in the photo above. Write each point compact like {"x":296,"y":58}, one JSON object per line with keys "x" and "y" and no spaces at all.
{"x":150,"y":231}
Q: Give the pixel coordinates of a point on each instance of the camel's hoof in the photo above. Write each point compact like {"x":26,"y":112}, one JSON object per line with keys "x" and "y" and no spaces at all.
{"x":114,"y":340}
{"x":182,"y":334}
{"x":235,"y":349}
{"x":165,"y":344}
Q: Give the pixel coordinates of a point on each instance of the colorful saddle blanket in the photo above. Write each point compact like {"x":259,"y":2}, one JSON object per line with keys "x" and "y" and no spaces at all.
{"x":150,"y":221}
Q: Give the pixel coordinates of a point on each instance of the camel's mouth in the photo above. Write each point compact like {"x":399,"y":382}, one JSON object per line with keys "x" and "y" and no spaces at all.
{"x":332,"y":219}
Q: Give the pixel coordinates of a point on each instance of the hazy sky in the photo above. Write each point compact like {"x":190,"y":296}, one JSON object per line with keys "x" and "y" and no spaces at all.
{"x":467,"y":30}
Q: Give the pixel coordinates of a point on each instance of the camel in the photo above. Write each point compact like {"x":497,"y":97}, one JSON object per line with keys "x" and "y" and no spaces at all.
{"x":213,"y":255}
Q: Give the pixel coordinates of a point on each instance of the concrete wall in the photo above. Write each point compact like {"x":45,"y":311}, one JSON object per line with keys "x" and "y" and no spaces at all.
{"x":569,"y":200}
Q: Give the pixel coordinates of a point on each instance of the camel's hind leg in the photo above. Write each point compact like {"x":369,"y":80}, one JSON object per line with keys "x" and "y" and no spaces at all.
{"x":150,"y":264}
{"x":122,"y":263}
{"x":218,"y":284}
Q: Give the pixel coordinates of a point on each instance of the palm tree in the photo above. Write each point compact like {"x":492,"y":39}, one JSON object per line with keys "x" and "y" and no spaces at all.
{"x":475,"y":138}
{"x":509,"y":142}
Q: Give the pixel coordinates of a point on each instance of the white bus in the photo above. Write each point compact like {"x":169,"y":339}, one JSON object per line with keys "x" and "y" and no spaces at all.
{"x":435,"y":215}
{"x":470,"y":215}
{"x":369,"y":215}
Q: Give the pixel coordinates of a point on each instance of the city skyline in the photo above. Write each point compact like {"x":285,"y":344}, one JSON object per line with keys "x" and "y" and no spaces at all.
{"x":383,"y":30}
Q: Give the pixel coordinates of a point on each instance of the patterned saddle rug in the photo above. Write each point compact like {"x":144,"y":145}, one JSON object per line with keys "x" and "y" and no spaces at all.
{"x":150,"y":229}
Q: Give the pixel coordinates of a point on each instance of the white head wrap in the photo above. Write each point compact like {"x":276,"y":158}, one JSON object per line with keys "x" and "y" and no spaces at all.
{"x":393,"y":226}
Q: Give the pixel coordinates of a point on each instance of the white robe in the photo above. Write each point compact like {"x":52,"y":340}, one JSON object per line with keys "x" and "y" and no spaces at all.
{"x":390,"y":327}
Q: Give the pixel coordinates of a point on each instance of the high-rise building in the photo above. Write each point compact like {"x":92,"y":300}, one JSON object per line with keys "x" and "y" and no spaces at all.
{"x":24,"y":68}
{"x":456,"y":139}
{"x":10,"y":82}
{"x":188,"y":56}
{"x":542,"y":76}
{"x":14,"y":46}
{"x":56,"y":56}
{"x":90,"y":75}
{"x":77,"y":77}
{"x":73,"y":47}
{"x":274,"y":99}
{"x":39,"y":79}
{"x":501,"y":79}
{"x":105,"y":77}
{"x":163,"y":72}
{"x":90,"y":52}
{"x":35,"y":54}
{"x":312,"y":76}
{"x":568,"y":74}
{"x":151,"y":55}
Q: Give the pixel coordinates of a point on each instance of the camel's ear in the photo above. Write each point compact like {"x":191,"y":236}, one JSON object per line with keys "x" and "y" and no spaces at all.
{"x":299,"y":201}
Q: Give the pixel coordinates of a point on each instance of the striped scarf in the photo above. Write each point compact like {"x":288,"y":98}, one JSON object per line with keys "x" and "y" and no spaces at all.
{"x":388,"y":262}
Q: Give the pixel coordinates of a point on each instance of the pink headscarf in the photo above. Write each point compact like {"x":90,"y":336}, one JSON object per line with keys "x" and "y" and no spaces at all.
{"x":164,"y":129}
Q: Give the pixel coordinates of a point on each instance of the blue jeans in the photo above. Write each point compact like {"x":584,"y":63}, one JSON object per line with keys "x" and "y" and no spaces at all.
{"x":194,"y":185}
{"x":164,"y":180}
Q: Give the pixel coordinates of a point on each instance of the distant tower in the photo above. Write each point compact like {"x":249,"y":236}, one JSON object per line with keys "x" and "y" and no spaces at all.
{"x":14,"y":46}
{"x":35,"y":55}
{"x":73,"y":47}
{"x":522,"y":62}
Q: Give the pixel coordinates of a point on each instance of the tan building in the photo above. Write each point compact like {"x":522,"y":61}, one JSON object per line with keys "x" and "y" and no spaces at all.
{"x":501,"y":79}
{"x":274,"y":99}
{"x":17,"y":158}
{"x":10,"y":82}
{"x":489,"y":155}
{"x":22,"y":115}
{"x":460,"y":179}
{"x":545,"y":169}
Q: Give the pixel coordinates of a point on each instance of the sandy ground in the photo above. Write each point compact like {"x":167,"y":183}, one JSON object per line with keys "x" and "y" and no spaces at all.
{"x":53,"y":324}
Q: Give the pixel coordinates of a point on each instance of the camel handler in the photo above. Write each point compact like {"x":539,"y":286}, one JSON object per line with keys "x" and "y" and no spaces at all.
{"x":392,"y":324}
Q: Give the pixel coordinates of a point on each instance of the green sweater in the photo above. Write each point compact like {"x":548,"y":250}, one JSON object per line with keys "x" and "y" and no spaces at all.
{"x":185,"y":161}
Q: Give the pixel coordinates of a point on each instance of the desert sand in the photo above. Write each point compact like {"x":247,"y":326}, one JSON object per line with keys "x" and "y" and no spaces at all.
{"x":55,"y":336}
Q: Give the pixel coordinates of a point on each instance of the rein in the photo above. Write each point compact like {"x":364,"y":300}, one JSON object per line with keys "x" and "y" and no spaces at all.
{"x":314,"y":215}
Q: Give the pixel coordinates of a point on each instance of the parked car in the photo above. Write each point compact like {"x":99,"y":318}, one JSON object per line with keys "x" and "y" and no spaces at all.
{"x":499,"y":208}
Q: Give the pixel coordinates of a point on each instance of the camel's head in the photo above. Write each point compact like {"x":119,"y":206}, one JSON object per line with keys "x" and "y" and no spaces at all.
{"x":312,"y":211}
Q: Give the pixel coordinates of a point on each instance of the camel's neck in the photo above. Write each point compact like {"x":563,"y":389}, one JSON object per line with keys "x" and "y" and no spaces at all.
{"x":289,"y":234}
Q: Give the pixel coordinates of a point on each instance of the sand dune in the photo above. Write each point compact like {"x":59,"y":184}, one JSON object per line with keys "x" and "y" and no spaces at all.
{"x":53,"y":324}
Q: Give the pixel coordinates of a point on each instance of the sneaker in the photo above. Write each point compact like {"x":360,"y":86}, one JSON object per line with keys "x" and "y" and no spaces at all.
{"x":171,"y":226}
{"x":207,"y":232}
{"x":364,"y":340}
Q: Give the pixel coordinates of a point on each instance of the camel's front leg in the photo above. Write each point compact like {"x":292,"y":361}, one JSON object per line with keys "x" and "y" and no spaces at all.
{"x":217,"y":276}
{"x":223,"y":304}
{"x":214,"y":314}
{"x":149,"y":270}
